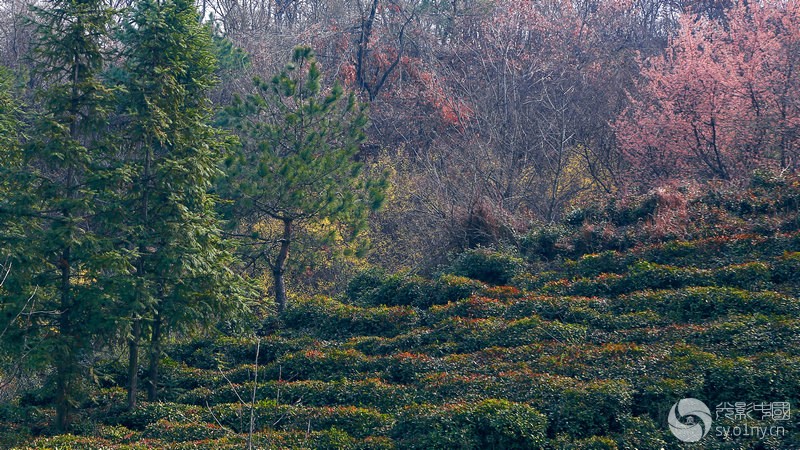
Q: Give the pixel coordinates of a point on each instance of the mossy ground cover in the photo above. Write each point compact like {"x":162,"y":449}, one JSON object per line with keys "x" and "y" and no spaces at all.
{"x":587,"y":350}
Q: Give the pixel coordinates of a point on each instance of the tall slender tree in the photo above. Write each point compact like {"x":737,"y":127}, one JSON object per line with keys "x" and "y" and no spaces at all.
{"x":63,"y":173}
{"x":182,"y":265}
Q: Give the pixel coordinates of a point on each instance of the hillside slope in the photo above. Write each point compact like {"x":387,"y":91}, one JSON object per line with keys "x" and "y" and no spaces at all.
{"x":621,"y":312}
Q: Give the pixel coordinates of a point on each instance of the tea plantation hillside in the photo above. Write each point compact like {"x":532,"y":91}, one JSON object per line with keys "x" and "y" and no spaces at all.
{"x":583,"y":340}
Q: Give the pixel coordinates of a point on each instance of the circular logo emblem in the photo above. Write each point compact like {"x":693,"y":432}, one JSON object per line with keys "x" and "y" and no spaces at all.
{"x":689,"y":420}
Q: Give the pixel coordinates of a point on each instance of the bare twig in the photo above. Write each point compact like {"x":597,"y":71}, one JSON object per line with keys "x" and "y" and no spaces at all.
{"x":22,"y":311}
{"x":7,"y":269}
{"x":253,"y":399}
{"x":215,"y":416}
{"x":235,"y":391}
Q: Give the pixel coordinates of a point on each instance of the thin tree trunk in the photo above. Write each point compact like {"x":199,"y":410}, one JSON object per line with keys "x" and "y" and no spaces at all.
{"x":133,"y":362}
{"x":136,"y":332}
{"x":279,"y":269}
{"x":64,"y":362}
{"x":155,"y":355}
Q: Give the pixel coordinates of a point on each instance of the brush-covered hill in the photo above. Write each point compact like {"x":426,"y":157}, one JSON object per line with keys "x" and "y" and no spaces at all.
{"x":585,"y":339}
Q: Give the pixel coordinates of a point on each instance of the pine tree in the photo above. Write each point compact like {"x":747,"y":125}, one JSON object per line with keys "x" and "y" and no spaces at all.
{"x":182,"y":266}
{"x":298,"y":162}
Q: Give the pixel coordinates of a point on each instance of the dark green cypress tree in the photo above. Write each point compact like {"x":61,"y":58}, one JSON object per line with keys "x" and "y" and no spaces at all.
{"x":13,"y":186}
{"x":61,"y":256}
{"x":298,"y":163}
{"x":182,"y":271}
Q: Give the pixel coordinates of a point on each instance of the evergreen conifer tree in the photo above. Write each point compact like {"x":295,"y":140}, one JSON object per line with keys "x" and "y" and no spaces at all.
{"x":298,"y":162}
{"x":182,"y":269}
{"x":57,"y":188}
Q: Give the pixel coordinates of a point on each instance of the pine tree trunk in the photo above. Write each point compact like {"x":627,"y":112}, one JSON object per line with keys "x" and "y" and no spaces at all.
{"x":280,"y":266}
{"x":280,"y":290}
{"x":133,"y":363}
{"x":155,"y":355}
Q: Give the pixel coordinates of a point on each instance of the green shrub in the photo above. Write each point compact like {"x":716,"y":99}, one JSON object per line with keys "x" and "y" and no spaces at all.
{"x":225,"y":443}
{"x":645,"y":275}
{"x":328,"y":318}
{"x":751,"y":276}
{"x":451,"y":386}
{"x":674,"y":252}
{"x":181,"y":432}
{"x":473,"y":308}
{"x":408,"y":367}
{"x":547,"y":307}
{"x":638,"y":319}
{"x":363,"y":283}
{"x":592,"y":409}
{"x":633,"y":212}
{"x":224,"y":352}
{"x":13,"y":435}
{"x":487,"y":424}
{"x":468,"y":335}
{"x":542,"y":242}
{"x":641,"y":432}
{"x":181,"y":378}
{"x":506,"y":425}
{"x":592,"y":443}
{"x":325,"y":364}
{"x":533,"y":281}
{"x":369,"y":393}
{"x":487,"y":265}
{"x":655,"y":393}
{"x":593,"y":264}
{"x":700,"y":304}
{"x":750,"y":334}
{"x":355,"y":421}
{"x":331,"y":439}
{"x":450,"y":288}
{"x":149,"y":413}
{"x":118,"y":434}
{"x":236,"y":416}
{"x":767,"y":376}
{"x":787,"y":268}
{"x":70,"y":442}
{"x":400,"y":289}
{"x":604,"y":285}
{"x":375,"y":288}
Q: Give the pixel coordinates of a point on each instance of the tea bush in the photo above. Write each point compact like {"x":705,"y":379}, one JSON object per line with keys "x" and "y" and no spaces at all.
{"x":329,"y":319}
{"x":486,"y":424}
{"x":325,"y":364}
{"x":181,"y":432}
{"x":487,"y":265}
{"x":787,"y":268}
{"x":593,"y":264}
{"x":592,"y":409}
{"x":357,"y":422}
{"x":236,"y":416}
{"x":700,"y":304}
{"x":371,"y":393}
{"x":151,"y":412}
{"x":472,"y":308}
{"x":750,"y":276}
{"x":399,"y":289}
